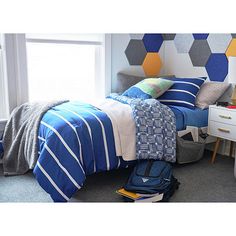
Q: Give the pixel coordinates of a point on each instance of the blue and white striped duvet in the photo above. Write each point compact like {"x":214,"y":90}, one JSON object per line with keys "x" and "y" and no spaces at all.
{"x":75,"y":140}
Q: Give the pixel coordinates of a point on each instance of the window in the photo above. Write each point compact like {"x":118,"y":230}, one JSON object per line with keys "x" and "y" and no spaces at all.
{"x":65,"y":66}
{"x":59,"y":66}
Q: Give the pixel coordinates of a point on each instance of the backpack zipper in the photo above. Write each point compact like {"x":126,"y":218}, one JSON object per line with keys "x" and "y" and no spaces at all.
{"x":148,"y":168}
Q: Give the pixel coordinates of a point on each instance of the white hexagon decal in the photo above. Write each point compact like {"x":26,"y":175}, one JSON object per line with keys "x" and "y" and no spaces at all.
{"x":218,"y":43}
{"x":183,"y":42}
{"x":136,"y":36}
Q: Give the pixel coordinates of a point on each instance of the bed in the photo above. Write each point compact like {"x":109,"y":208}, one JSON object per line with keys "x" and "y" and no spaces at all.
{"x":66,"y":154}
{"x":76,"y":139}
{"x":62,"y":177}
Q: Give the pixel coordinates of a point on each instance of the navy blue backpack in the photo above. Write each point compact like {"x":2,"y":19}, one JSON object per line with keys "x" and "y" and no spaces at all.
{"x":150,"y":177}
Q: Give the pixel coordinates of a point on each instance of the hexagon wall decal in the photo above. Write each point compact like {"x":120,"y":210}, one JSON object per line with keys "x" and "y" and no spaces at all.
{"x":199,"y":52}
{"x":136,"y":36}
{"x":200,"y":36}
{"x":152,"y":64}
{"x":168,"y":36}
{"x":135,"y":52}
{"x":219,"y":42}
{"x":152,"y":42}
{"x":183,"y":42}
{"x":217,"y":67}
{"x":231,"y":50}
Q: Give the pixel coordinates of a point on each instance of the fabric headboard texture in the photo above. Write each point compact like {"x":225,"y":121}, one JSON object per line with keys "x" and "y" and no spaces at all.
{"x":124,"y":81}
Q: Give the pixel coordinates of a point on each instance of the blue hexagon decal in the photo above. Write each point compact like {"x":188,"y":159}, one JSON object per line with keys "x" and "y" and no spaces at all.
{"x":217,"y":67}
{"x":152,"y":42}
{"x":200,"y":36}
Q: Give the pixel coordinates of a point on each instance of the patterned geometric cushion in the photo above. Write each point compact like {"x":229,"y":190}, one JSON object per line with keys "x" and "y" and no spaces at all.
{"x":183,"y":92}
{"x":149,"y":88}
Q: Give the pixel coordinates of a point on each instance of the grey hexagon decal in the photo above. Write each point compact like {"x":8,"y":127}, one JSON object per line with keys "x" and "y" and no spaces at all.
{"x":168,"y":36}
{"x":135,"y":52}
{"x":183,"y":42}
{"x":219,"y":42}
{"x":136,"y":36}
{"x":200,"y":52}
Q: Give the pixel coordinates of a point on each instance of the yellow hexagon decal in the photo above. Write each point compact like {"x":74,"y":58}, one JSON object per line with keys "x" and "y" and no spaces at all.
{"x":152,"y":64}
{"x":231,"y":50}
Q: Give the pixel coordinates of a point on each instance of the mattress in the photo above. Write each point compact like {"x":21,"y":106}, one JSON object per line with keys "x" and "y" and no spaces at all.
{"x":188,"y":117}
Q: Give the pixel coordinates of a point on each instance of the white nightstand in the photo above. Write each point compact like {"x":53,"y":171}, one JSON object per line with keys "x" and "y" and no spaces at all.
{"x":222,"y":124}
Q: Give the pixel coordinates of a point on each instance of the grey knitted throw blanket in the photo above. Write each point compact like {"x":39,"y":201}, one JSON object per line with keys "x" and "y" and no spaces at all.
{"x":21,"y":135}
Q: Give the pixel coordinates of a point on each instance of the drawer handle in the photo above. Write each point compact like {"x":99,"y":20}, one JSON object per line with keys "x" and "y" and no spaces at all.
{"x":225,"y":117}
{"x":224,"y":130}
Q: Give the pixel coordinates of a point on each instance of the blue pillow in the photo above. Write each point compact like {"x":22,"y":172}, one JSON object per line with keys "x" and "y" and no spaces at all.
{"x":183,"y":92}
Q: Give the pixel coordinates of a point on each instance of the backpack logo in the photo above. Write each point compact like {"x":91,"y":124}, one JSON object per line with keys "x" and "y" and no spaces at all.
{"x":144,"y":180}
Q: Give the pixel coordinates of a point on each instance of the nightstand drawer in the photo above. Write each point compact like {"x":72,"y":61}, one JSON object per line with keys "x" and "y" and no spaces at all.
{"x":222,"y":130}
{"x":223,"y":115}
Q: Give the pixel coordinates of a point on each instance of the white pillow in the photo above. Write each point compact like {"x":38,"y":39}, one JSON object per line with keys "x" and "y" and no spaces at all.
{"x":209,"y":93}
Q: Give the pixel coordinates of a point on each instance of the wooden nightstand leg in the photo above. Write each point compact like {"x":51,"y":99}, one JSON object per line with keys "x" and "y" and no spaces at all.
{"x":215,"y":150}
{"x":231,"y":148}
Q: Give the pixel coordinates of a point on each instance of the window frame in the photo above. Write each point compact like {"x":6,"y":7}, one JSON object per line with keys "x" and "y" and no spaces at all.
{"x":15,"y":70}
{"x":102,"y":61}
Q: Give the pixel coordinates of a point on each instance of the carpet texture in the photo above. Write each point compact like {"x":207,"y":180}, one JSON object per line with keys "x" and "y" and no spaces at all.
{"x":200,"y":182}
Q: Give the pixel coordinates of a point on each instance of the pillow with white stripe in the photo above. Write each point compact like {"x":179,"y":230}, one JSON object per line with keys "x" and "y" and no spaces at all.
{"x":183,"y":92}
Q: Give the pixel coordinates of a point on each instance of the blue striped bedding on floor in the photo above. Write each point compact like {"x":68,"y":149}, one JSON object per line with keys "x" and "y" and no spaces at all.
{"x":75,"y":140}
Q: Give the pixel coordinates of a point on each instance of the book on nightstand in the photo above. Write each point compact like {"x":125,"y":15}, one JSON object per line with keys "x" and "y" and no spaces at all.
{"x":138,"y":197}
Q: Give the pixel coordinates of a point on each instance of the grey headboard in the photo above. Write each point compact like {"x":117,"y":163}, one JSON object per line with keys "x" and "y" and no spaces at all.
{"x":124,"y":80}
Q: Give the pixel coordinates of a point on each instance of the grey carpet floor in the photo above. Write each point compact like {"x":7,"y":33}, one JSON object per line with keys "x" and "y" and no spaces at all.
{"x":200,"y":182}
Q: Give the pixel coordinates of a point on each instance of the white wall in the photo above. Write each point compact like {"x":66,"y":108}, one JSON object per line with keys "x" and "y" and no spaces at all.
{"x":119,"y":61}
